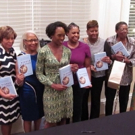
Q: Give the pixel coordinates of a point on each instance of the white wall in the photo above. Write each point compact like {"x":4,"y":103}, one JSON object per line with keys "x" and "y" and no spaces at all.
{"x":108,"y":13}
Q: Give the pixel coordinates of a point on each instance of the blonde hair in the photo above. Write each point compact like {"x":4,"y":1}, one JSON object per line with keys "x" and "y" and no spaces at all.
{"x":22,"y":47}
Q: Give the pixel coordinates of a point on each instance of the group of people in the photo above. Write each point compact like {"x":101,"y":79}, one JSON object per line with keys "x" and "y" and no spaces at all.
{"x":42,"y":93}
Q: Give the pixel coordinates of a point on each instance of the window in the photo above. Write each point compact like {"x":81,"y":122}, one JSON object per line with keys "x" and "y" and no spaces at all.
{"x":132,"y":19}
{"x":37,"y":14}
{"x":16,"y":14}
{"x":46,"y":11}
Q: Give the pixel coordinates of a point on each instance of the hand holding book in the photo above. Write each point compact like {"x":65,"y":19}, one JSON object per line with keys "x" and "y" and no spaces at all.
{"x":74,"y":67}
{"x":7,"y":88}
{"x":93,"y":68}
{"x":106,"y":59}
{"x":121,"y":58}
{"x":7,"y":96}
{"x":19,"y":79}
{"x":118,"y":57}
{"x":59,"y":87}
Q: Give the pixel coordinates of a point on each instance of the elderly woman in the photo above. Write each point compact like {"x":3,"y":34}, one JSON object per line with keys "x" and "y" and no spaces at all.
{"x":31,"y":92}
{"x":121,"y":30}
{"x":9,"y":104}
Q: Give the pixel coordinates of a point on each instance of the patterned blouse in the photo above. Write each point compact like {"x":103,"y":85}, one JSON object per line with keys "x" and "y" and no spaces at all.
{"x":128,"y":73}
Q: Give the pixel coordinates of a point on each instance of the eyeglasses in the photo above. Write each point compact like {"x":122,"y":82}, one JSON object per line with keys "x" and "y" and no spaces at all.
{"x":32,"y":40}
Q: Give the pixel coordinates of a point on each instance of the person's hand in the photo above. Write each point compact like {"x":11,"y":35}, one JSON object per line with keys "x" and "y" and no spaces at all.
{"x":93,"y":68}
{"x":118,"y":57}
{"x":59,"y":87}
{"x":74,"y":67}
{"x":19,"y":79}
{"x":87,"y":87}
{"x":7,"y":96}
{"x":126,"y":60}
{"x":106,"y":59}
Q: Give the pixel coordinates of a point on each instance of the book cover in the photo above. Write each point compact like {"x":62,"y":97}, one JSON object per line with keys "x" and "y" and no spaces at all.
{"x":99,"y":64}
{"x":83,"y":77}
{"x":25,"y":65}
{"x":119,"y":48}
{"x":7,"y":85}
{"x":66,"y":76}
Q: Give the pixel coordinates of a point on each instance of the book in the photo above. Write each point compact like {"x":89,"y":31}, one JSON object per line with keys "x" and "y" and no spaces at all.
{"x":119,"y":48}
{"x":7,"y":85}
{"x":99,"y":64}
{"x":25,"y":65}
{"x":83,"y":77}
{"x":66,"y":76}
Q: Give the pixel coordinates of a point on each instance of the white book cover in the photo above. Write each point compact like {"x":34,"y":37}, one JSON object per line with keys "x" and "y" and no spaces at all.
{"x":83,"y":77}
{"x":119,"y":48}
{"x":99,"y":64}
{"x":25,"y":65}
{"x":66,"y":76}
{"x":7,"y":85}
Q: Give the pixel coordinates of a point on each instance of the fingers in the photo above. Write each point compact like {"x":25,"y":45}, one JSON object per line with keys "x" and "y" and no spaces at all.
{"x":74,"y":67}
{"x":88,"y":86}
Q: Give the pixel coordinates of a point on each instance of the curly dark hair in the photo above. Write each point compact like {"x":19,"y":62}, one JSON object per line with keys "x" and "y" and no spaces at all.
{"x":50,"y":29}
{"x":71,"y":25}
{"x":6,"y":32}
{"x":117,"y":26}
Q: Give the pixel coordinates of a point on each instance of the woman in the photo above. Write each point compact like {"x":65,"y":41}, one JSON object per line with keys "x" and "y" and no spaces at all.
{"x":81,"y":56}
{"x":57,"y":98}
{"x":96,"y":45}
{"x":9,"y":104}
{"x":121,"y":29}
{"x":31,"y":92}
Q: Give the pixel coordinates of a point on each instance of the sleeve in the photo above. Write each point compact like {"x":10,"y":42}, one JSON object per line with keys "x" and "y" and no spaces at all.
{"x":14,"y":55}
{"x":132,"y":59}
{"x":69,"y":55}
{"x":88,"y":52}
{"x":40,"y":68}
{"x":107,"y":49}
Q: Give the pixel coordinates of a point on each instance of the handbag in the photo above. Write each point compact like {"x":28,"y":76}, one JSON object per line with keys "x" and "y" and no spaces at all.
{"x":116,"y":74}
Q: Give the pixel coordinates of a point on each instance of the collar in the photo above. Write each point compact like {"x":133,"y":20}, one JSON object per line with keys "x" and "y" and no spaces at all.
{"x":2,"y":50}
{"x":113,"y":40}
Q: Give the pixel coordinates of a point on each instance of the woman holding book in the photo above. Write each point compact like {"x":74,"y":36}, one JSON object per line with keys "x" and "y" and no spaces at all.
{"x":9,"y":104}
{"x":96,"y":45}
{"x":121,"y":29}
{"x":81,"y":56}
{"x":57,"y":98}
{"x":31,"y":93}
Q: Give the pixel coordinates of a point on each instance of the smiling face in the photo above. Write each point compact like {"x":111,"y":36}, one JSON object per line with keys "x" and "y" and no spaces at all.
{"x":122,"y":31}
{"x":7,"y":42}
{"x":74,"y":34}
{"x":31,"y":42}
{"x":93,"y":33}
{"x":58,"y":36}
